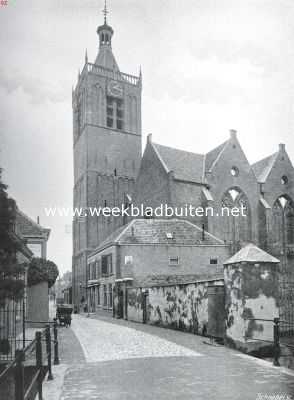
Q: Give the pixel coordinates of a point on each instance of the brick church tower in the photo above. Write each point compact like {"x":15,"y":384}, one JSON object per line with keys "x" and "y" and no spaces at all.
{"x":107,"y":149}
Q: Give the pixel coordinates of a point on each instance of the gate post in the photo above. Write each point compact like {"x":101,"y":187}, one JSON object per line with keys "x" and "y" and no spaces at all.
{"x":56,"y":356}
{"x":39,"y":363}
{"x":276,"y":342}
{"x":48,"y":348}
{"x":19,"y":375}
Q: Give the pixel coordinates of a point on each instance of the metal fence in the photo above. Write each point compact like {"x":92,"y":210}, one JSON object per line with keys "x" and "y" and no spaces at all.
{"x":11,"y":329}
{"x":22,"y":378}
{"x":283,"y":335}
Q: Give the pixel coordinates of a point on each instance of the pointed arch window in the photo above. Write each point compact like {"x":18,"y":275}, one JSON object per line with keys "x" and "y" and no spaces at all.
{"x":283,"y":222}
{"x":236,"y":229}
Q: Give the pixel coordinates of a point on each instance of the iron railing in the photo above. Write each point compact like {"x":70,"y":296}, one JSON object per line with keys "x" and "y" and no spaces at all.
{"x":12,"y":336}
{"x":283,"y":335}
{"x":23,"y":377}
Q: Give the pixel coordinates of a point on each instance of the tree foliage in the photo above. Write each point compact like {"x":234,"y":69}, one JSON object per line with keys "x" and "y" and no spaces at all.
{"x":41,"y":270}
{"x":11,"y":284}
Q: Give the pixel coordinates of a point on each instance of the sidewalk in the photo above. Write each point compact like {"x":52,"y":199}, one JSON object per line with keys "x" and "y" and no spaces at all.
{"x":105,"y":358}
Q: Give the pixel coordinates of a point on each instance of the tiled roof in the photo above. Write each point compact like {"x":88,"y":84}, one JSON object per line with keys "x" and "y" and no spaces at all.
{"x":185,"y":165}
{"x":252,"y":254}
{"x":26,"y":227}
{"x":213,"y":155}
{"x":154,"y":231}
{"x":263,"y":167}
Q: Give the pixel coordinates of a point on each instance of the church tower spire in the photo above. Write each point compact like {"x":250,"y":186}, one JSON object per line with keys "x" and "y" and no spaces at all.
{"x":107,"y":148}
{"x":105,"y":12}
{"x":105,"y":57}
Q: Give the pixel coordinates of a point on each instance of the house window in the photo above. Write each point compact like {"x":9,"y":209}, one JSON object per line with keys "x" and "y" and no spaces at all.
{"x":115,"y":113}
{"x":105,"y":295}
{"x":110,"y":295}
{"x":213,"y":261}
{"x":174,"y":260}
{"x":98,"y":295}
{"x":94,"y":271}
{"x":106,"y":265}
{"x":98,"y":269}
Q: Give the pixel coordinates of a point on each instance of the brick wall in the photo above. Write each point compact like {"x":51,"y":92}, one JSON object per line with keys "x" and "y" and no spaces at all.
{"x":151,"y":261}
{"x":153,"y":183}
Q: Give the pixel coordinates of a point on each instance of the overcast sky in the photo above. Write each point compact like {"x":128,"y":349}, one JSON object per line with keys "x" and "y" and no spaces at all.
{"x":208,"y":66}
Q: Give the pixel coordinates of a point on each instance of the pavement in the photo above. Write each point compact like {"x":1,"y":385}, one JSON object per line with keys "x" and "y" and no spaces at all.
{"x":103,"y":358}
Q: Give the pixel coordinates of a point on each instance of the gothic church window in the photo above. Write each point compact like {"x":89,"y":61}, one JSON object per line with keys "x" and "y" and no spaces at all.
{"x":236,"y":229}
{"x":283,"y":222}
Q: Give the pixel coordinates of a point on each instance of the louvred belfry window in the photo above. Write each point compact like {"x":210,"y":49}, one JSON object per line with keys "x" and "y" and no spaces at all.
{"x":115,"y":113}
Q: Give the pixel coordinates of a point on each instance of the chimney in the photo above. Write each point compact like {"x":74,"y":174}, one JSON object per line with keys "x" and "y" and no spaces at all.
{"x":38,"y":220}
{"x":282,"y":147}
{"x":149,"y":138}
{"x":233,"y":133}
{"x":133,"y":231}
{"x":203,"y":232}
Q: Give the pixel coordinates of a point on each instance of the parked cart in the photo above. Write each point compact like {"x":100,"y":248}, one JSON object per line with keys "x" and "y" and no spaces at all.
{"x":63,"y":314}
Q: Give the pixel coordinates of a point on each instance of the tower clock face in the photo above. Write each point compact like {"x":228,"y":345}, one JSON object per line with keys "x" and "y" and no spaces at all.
{"x":115,"y":89}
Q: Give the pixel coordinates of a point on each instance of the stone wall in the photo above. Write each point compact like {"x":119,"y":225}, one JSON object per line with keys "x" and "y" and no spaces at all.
{"x":183,"y":307}
{"x":252,"y":291}
{"x":38,"y":303}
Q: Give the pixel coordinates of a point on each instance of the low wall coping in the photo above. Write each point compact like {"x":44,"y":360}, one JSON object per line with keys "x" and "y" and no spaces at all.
{"x":178,"y":284}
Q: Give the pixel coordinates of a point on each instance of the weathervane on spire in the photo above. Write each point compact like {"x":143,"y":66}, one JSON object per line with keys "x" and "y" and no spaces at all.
{"x":105,"y":12}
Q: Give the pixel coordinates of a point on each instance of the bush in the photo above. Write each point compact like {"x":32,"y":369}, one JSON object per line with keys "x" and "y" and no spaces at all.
{"x":40,"y":270}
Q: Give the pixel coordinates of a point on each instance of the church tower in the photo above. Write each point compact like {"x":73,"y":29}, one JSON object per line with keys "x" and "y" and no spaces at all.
{"x":107,"y":149}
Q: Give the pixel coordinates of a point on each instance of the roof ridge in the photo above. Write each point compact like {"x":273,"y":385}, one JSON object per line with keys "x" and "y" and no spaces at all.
{"x":174,"y":148}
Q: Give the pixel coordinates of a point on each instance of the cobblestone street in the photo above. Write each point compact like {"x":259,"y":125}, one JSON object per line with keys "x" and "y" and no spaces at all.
{"x":103,"y":358}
